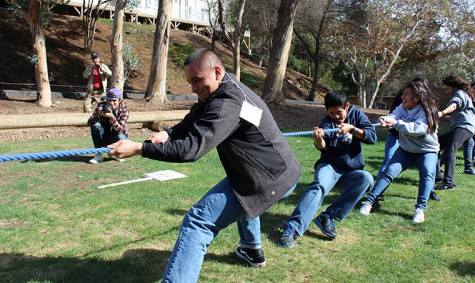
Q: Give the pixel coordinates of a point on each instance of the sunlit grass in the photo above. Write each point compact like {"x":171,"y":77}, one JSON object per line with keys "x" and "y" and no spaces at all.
{"x":57,"y":226}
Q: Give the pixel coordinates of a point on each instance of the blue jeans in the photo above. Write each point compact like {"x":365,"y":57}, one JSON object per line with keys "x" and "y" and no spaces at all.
{"x":354,"y":184}
{"x":468,"y":150}
{"x":215,"y":211}
{"x":103,"y":136}
{"x":401,"y":160}
{"x":392,"y":143}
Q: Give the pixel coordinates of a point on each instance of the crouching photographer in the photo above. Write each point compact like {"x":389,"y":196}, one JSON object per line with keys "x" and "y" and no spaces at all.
{"x":108,"y":122}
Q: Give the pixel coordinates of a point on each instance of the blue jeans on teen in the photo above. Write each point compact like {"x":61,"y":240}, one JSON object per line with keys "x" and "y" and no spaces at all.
{"x":451,"y":142}
{"x":215,"y":211}
{"x":103,"y":136}
{"x":354,"y":183}
{"x":401,"y":160}
{"x":468,"y":152}
{"x":392,"y":143}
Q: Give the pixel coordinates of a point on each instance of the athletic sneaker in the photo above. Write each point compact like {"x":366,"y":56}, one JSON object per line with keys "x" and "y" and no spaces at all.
{"x":118,"y":159}
{"x":418,"y":216}
{"x":253,"y":257}
{"x":288,"y":237}
{"x":365,"y":208}
{"x":434,"y":196}
{"x":98,"y":158}
{"x":326,"y":225}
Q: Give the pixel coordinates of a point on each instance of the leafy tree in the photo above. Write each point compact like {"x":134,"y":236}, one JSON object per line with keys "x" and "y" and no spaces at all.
{"x":130,"y":59}
{"x":235,"y":41}
{"x":91,"y":13}
{"x":372,"y":36}
{"x":312,"y":24}
{"x":213,"y":16}
{"x":37,"y":14}
{"x":457,"y":19}
{"x":261,"y":17}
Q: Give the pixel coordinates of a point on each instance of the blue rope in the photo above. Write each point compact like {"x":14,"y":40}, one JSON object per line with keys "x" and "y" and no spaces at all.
{"x":65,"y":153}
{"x":54,"y":154}
{"x":309,"y":133}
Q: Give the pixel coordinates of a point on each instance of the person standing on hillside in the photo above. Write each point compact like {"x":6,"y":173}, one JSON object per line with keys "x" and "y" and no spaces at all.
{"x":260,"y":165}
{"x":97,"y":74}
{"x":341,"y":165}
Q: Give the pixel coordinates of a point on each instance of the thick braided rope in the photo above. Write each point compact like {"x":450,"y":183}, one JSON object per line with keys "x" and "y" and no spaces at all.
{"x":309,"y":133}
{"x":54,"y":154}
{"x":65,"y":153}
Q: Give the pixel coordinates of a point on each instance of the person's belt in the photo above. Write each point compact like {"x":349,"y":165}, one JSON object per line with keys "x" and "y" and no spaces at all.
{"x":97,"y":89}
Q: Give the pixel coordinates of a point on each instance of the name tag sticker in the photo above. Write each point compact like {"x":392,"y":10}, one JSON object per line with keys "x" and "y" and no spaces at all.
{"x":251,"y":113}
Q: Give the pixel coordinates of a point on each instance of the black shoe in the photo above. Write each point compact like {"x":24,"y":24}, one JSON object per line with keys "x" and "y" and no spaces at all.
{"x":434,"y":196}
{"x":380,"y":197}
{"x":469,"y":171}
{"x":326,"y":225}
{"x":253,"y":257}
{"x":439,"y":179}
{"x":444,"y":186}
{"x":287,"y":239}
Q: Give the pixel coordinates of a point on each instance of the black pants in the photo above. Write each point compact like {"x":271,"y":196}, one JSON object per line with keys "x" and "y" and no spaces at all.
{"x":451,"y":142}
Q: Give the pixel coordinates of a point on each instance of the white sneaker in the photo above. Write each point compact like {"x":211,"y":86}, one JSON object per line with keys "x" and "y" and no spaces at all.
{"x":365,"y":208}
{"x":418,"y":216}
{"x":118,"y":159}
{"x":98,"y":158}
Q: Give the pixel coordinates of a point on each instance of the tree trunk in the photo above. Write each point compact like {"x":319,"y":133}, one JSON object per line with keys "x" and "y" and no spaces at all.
{"x":39,"y":49}
{"x":313,"y":90}
{"x":156,"y":87}
{"x":279,"y":53}
{"x":117,"y":78}
{"x":237,"y":40}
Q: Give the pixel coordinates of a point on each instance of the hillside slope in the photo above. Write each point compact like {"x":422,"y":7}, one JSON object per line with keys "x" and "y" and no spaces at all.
{"x":66,"y":59}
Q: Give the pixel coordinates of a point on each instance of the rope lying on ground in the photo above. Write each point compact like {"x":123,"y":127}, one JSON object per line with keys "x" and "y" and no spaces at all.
{"x":65,"y":153}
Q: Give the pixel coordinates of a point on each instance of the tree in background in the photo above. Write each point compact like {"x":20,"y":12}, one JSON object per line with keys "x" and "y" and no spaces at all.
{"x":261,"y":18}
{"x":372,"y":36}
{"x":458,"y":31}
{"x":214,"y":29}
{"x":130,"y":59}
{"x":235,"y":41}
{"x":91,"y":13}
{"x":279,"y":52}
{"x":311,"y":28}
{"x":156,"y":87}
{"x":37,"y":14}
{"x":117,"y":42}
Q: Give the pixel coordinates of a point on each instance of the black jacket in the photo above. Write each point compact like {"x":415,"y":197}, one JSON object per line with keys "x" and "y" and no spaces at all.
{"x":258,"y":161}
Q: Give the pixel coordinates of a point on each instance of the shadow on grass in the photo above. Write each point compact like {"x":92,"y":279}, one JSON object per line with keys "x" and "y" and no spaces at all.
{"x":229,"y":258}
{"x":378,"y":209}
{"x":176,"y":212}
{"x":463,"y":268}
{"x":137,"y":265}
{"x":76,"y":158}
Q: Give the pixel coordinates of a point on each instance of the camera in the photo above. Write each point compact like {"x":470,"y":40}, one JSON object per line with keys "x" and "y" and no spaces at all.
{"x":104,"y":106}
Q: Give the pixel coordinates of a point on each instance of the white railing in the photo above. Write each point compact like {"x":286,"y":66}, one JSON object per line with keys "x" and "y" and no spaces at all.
{"x":188,"y":10}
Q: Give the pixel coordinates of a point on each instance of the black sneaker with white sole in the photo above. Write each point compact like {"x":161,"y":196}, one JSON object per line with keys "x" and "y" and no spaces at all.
{"x":253,"y":257}
{"x":326,"y":225}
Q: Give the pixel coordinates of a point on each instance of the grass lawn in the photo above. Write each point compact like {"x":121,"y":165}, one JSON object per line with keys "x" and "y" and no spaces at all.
{"x":57,"y":226}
